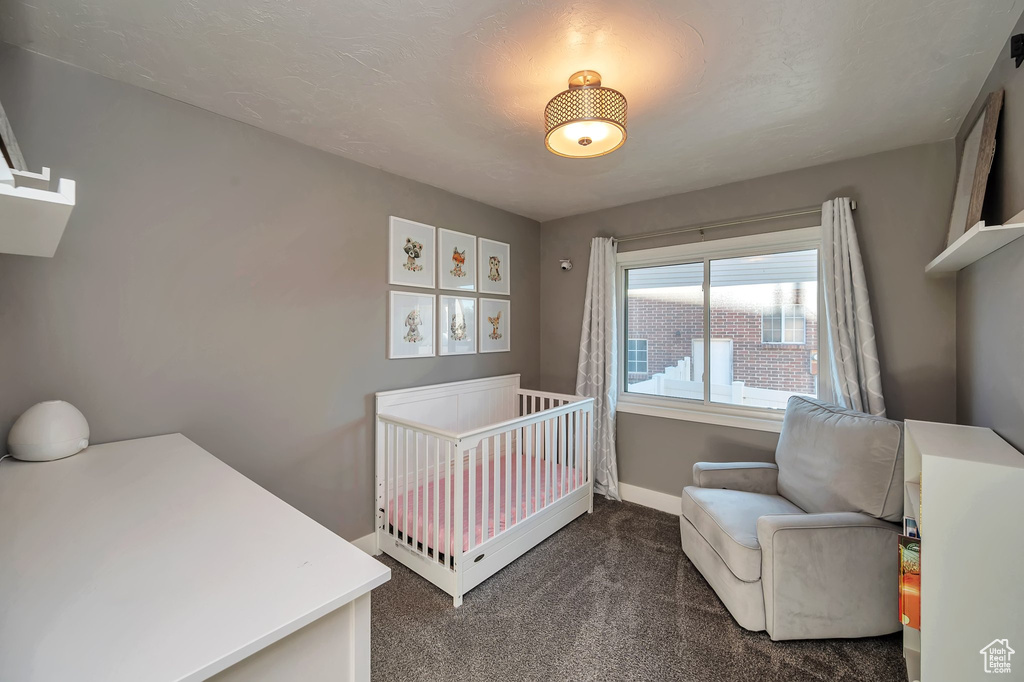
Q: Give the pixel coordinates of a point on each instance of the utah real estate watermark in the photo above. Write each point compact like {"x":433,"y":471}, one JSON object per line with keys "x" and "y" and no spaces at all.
{"x":996,"y":656}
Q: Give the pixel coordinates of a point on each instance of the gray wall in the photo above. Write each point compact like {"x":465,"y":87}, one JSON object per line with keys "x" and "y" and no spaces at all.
{"x":904,"y":198}
{"x":990,"y":316}
{"x":224,"y":282}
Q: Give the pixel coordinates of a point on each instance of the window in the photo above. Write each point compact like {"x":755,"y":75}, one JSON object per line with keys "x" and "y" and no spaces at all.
{"x":784,"y":324}
{"x":723,"y":331}
{"x":636,"y":356}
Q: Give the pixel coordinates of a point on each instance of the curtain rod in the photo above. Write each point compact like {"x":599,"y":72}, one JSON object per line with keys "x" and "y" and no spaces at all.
{"x":741,"y":221}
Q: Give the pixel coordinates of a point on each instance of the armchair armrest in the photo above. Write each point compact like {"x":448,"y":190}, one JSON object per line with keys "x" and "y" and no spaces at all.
{"x":750,"y":477}
{"x":829,"y":575}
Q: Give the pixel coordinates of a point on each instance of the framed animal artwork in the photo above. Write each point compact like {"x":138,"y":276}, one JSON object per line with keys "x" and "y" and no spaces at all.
{"x":495,"y":325}
{"x":457,"y":325}
{"x":411,"y":253}
{"x":495,"y":270}
{"x":411,"y":328}
{"x":456,"y":260}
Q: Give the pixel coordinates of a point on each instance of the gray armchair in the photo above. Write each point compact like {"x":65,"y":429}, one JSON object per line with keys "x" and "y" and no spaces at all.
{"x":805,"y":548}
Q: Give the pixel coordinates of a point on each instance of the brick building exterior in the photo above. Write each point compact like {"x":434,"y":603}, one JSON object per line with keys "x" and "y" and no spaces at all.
{"x":670,"y":319}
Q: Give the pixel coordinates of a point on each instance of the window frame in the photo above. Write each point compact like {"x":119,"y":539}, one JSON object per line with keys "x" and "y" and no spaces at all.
{"x":707,"y":412}
{"x":782,"y":323}
{"x":646,"y":365}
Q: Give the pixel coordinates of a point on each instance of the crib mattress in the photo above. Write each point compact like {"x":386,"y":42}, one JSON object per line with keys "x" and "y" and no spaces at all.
{"x":485,"y":525}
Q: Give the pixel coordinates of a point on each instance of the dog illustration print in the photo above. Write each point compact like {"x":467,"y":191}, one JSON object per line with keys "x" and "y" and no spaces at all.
{"x":495,"y":323}
{"x":413,"y":322}
{"x":495,"y":274}
{"x":458,"y":259}
{"x":413,"y":250}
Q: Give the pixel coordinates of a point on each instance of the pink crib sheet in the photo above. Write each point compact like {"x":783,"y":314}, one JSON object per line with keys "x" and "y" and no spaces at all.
{"x":484,"y":519}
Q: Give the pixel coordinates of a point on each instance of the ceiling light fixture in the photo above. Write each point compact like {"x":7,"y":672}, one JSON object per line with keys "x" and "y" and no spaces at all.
{"x":586,"y":120}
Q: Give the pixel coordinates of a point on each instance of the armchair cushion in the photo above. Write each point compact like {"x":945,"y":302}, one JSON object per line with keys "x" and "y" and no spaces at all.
{"x":836,"y":460}
{"x":752,"y":477}
{"x":727,"y":520}
{"x":829,"y":575}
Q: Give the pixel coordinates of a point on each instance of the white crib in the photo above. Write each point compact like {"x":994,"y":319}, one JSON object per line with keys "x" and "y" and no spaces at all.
{"x":524,"y":460}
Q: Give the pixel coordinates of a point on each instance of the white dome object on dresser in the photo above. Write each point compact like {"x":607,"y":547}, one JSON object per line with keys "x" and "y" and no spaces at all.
{"x":49,"y":430}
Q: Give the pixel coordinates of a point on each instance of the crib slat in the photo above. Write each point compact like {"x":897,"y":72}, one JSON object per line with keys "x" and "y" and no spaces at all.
{"x":556,"y":480}
{"x":563,"y":445}
{"x":590,"y":446}
{"x":473,"y":456}
{"x":435,"y":479}
{"x":496,"y":479}
{"x":448,"y":500}
{"x":527,"y":464}
{"x":538,"y":428}
{"x":415,"y":532}
{"x":392,"y":461}
{"x":571,"y":460}
{"x":520,"y":463}
{"x":485,"y":471}
{"x":549,"y":487}
{"x":508,"y":478}
{"x":582,"y":453}
{"x":407,"y":499}
{"x":387,"y":477}
{"x":578,"y":417}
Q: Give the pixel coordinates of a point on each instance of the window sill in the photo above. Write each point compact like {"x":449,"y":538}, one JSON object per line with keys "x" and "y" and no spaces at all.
{"x":668,"y":408}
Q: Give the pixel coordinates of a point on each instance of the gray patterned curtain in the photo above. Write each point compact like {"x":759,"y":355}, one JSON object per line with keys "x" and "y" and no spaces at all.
{"x":597,"y":370}
{"x":855,"y":373}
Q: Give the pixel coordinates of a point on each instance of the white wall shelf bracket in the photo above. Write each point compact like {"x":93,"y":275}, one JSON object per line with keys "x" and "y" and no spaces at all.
{"x":32,"y":215}
{"x":975,"y":244}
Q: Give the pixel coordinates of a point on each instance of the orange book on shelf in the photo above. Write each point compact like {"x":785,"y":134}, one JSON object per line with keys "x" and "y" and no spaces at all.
{"x":910,"y":582}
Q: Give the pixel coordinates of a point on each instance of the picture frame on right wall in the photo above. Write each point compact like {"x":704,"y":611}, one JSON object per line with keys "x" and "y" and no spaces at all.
{"x":494,"y":266}
{"x":975,"y":164}
{"x":495,"y":325}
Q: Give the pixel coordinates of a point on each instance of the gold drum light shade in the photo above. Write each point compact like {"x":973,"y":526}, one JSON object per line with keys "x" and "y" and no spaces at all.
{"x":586,"y":120}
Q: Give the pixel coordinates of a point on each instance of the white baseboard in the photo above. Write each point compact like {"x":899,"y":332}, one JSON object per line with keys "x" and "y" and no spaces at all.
{"x":367,"y":543}
{"x":671,"y":504}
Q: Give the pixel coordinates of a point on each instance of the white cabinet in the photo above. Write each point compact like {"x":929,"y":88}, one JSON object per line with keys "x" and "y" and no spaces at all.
{"x":153,"y":560}
{"x":970,"y":484}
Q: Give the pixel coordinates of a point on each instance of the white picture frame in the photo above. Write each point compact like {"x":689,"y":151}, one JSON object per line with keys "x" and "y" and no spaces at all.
{"x":456,"y":317}
{"x":402,"y":324}
{"x":9,"y":145}
{"x":491,"y":308}
{"x":452,"y":247}
{"x":501,"y":268}
{"x":411,"y":253}
{"x":975,"y":164}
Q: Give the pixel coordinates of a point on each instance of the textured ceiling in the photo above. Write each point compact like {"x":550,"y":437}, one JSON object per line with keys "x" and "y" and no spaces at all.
{"x":452,"y":92}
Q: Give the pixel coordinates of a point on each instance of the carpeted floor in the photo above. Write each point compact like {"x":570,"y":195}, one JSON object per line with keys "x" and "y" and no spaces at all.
{"x":609,"y":597}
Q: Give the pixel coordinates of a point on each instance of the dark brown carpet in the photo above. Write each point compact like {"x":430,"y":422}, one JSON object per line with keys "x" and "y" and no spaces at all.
{"x":609,"y":597}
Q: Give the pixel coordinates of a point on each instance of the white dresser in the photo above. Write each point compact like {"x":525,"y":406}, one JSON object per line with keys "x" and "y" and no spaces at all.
{"x":153,"y":560}
{"x":965,"y":488}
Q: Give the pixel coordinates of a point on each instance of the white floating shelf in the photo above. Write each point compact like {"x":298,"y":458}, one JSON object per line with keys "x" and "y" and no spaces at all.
{"x":33,"y":218}
{"x":976,"y":243}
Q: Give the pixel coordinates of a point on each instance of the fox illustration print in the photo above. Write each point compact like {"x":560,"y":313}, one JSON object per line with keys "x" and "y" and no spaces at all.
{"x":413,"y":250}
{"x":495,"y":323}
{"x":413,"y":322}
{"x":458,"y":259}
{"x":495,"y":273}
